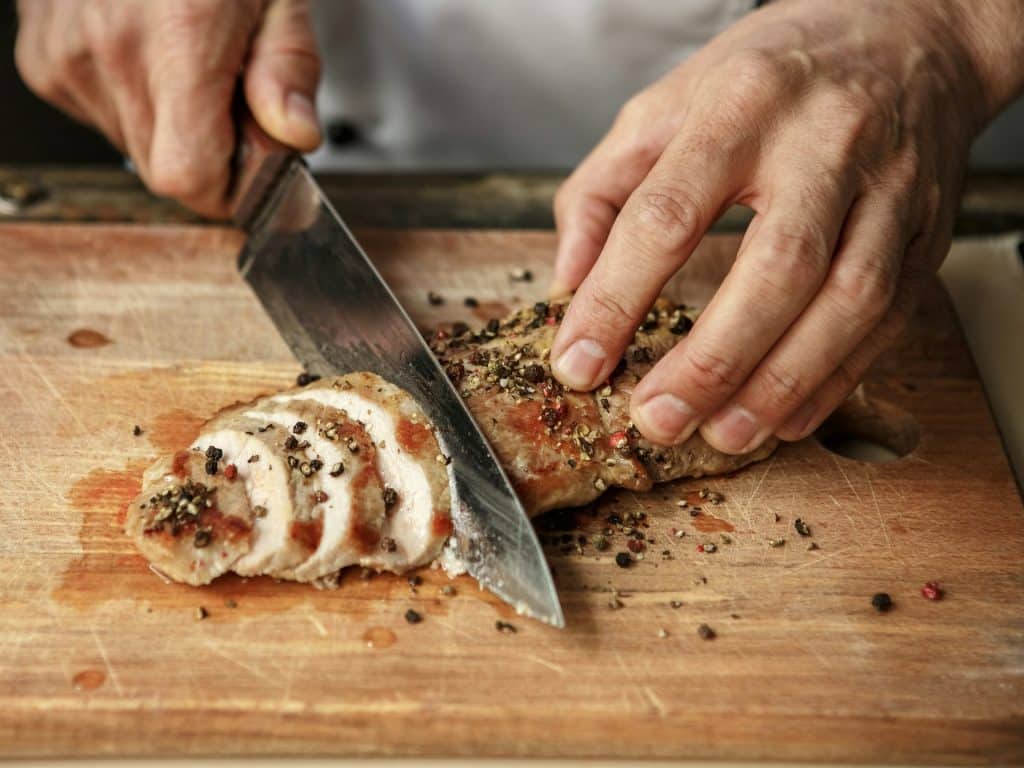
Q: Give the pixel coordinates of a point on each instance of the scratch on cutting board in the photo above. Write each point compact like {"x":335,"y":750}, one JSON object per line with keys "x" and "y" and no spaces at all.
{"x":819,"y":560}
{"x":655,"y":702}
{"x":545,"y":663}
{"x":111,"y":672}
{"x":321,"y":630}
{"x":846,"y":477}
{"x":253,"y":670}
{"x":757,"y":487}
{"x":881,"y":520}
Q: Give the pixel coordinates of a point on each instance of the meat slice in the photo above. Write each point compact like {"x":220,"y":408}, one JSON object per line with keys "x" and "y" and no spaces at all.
{"x":339,"y":494}
{"x":562,"y":448}
{"x":255,"y":449}
{"x":192,"y":526}
{"x":410,"y":461}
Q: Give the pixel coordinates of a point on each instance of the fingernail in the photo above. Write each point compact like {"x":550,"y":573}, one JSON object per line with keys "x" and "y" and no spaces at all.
{"x":798,"y":423}
{"x":299,"y":109}
{"x":580,"y":365}
{"x":666,"y":419}
{"x":731,"y":430}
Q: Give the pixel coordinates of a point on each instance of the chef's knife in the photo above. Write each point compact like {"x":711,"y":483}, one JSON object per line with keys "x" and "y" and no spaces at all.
{"x":338,"y":315}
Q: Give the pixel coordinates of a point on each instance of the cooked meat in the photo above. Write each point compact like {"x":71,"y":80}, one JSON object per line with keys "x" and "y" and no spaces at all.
{"x":339,"y":495}
{"x":190,"y":525}
{"x":562,"y":448}
{"x":268,"y":484}
{"x":411,"y":463}
{"x":349,"y":470}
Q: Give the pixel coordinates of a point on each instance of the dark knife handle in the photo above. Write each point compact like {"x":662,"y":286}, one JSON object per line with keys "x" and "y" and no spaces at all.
{"x":259,"y":160}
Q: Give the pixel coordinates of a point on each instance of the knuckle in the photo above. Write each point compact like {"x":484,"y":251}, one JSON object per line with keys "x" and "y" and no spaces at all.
{"x":180,"y":177}
{"x":608,"y":310}
{"x":753,"y":74}
{"x":865,"y":286}
{"x":795,"y":254}
{"x":711,"y":373}
{"x":635,"y":111}
{"x":845,"y":378}
{"x":904,"y":170}
{"x":668,"y":218}
{"x":784,"y":390}
{"x":33,"y":71}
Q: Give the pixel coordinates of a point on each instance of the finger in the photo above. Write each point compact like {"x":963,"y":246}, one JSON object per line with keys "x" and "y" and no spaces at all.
{"x":588,"y":202}
{"x":853,"y":299}
{"x":43,"y":59}
{"x":773,"y":279}
{"x":657,"y":230}
{"x":282,"y":75}
{"x":116,"y":67}
{"x":849,"y":373}
{"x":193,"y":68}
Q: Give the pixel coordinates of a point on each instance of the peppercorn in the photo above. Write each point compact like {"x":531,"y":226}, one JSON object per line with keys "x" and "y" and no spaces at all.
{"x":704,"y":632}
{"x":932,"y":591}
{"x":434,"y":299}
{"x":534,"y":373}
{"x":471,"y":302}
{"x":801,"y":527}
{"x":136,"y":430}
{"x":304,"y":379}
{"x":881,"y":602}
{"x":413,"y":617}
{"x":623,"y":560}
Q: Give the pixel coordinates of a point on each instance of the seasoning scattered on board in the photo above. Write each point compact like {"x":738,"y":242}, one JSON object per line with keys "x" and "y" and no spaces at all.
{"x":413,"y":617}
{"x":881,"y":602}
{"x":932,"y":591}
{"x":704,"y":632}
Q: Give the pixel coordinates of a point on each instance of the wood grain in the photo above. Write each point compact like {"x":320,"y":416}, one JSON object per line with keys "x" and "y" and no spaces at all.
{"x":99,"y":657}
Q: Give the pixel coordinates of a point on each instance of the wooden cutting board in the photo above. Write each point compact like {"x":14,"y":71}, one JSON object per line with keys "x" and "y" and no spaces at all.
{"x":103,"y":328}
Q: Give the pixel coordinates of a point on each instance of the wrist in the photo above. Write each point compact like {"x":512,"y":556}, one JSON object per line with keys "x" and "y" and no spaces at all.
{"x":990,"y":37}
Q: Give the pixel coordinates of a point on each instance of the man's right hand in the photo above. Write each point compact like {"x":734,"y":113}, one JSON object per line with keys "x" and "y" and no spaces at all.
{"x":157,"y":78}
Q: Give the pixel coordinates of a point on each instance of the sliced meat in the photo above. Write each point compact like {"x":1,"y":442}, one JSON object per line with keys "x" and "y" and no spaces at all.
{"x":562,"y":448}
{"x":340,"y":497}
{"x":410,"y":462}
{"x":192,"y":526}
{"x":268,"y":483}
{"x":285,"y":510}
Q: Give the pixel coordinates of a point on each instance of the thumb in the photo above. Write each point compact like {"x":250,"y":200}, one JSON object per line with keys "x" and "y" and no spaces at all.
{"x":282,"y":75}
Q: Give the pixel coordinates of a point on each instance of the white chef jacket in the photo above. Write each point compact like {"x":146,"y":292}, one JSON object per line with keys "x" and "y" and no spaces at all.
{"x":498,"y":84}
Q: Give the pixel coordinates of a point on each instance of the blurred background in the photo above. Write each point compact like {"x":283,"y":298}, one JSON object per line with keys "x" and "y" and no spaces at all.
{"x":35,"y":133}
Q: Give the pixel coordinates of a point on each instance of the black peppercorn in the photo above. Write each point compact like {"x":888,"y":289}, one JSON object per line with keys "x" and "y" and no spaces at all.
{"x":623,"y":560}
{"x":881,"y":602}
{"x":413,"y":617}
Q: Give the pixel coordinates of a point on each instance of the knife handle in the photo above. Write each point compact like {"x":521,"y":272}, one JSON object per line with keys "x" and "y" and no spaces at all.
{"x":258,"y":161}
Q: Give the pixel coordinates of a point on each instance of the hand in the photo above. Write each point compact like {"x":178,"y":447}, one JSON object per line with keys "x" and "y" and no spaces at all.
{"x":157,"y":78}
{"x":845,"y":127}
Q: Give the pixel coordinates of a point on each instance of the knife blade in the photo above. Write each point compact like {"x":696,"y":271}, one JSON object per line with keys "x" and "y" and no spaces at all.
{"x":337,"y":315}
